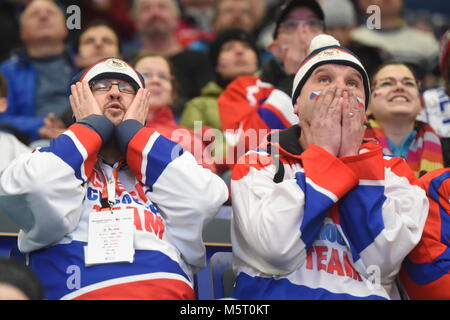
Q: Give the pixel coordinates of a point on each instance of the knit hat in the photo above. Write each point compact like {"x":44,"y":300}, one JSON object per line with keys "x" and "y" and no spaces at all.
{"x":444,"y":50}
{"x":111,"y":68}
{"x":324,"y":49}
{"x":226,"y":36}
{"x":289,"y":5}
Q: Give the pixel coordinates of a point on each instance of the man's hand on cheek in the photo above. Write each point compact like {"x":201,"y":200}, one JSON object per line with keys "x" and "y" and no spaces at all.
{"x":82,"y":101}
{"x":138,"y":110}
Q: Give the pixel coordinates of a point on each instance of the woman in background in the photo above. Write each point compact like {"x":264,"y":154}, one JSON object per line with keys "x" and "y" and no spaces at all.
{"x":159,"y":79}
{"x":394,"y":105}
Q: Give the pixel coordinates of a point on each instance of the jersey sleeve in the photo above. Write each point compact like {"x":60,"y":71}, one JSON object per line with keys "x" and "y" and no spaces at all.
{"x":274,"y":224}
{"x":42,"y":191}
{"x":383,"y":216}
{"x":249,"y":108}
{"x":187,"y":194}
{"x":426,"y":271}
{"x":250,"y":103}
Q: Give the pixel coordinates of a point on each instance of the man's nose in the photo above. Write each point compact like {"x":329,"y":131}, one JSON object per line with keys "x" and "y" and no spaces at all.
{"x":114,"y":91}
{"x":341,"y":84}
{"x":98,"y":43}
{"x":239,"y":50}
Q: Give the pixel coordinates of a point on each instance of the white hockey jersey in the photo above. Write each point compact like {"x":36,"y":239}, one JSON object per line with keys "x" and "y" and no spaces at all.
{"x":436,"y":111}
{"x":172,"y":198}
{"x":326,"y":227}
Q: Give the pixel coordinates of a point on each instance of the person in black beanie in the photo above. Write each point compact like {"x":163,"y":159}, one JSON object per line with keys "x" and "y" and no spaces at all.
{"x":232,"y":54}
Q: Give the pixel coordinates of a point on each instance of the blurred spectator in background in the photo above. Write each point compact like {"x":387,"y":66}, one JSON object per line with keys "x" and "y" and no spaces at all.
{"x":232,"y":54}
{"x":297,"y":22}
{"x":417,"y":48}
{"x":340,"y":20}
{"x":159,"y":78}
{"x":97,"y":41}
{"x":156,"y":22}
{"x":11,"y":146}
{"x":17,"y":282}
{"x":234,"y":14}
{"x":228,"y":14}
{"x":116,"y":12}
{"x":10,"y":11}
{"x":198,"y":13}
{"x":38,"y":74}
{"x":394,"y":105}
{"x":437,"y":100}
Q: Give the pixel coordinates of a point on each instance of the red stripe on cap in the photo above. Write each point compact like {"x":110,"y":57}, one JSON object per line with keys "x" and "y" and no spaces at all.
{"x":306,"y":61}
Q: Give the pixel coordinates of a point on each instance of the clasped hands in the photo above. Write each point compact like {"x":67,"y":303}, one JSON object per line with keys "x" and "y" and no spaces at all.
{"x":337,"y":123}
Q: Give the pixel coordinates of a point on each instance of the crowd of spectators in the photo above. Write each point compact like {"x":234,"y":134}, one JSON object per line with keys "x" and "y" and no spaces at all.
{"x":220,"y":74}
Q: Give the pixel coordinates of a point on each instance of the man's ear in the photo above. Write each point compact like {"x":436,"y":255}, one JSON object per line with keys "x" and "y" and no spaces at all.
{"x":3,"y":104}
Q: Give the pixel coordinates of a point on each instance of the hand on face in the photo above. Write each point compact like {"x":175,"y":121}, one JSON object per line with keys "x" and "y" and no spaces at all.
{"x":52,"y":128}
{"x":138,"y":109}
{"x":336,"y":123}
{"x":353,"y":125}
{"x":324,"y":128}
{"x":82,"y":101}
{"x":295,"y":47}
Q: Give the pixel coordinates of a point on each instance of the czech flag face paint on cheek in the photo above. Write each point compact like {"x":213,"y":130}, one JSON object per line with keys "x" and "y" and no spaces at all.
{"x":360,"y":102}
{"x":376,"y":93}
{"x":314,"y":95}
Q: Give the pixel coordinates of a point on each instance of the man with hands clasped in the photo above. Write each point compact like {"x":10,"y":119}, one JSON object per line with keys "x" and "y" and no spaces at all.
{"x":111,"y":209}
{"x":317,"y":213}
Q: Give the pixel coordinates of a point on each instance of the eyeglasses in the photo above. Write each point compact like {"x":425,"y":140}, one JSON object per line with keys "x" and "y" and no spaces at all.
{"x":392,"y":82}
{"x":106,"y":85}
{"x":291,"y":25}
{"x":161,"y":76}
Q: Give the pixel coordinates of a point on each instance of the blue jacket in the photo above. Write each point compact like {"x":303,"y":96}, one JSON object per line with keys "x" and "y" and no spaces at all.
{"x":21,"y":77}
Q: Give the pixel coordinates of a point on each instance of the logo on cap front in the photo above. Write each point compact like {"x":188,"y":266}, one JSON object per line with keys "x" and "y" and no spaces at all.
{"x":116,"y":63}
{"x":329,"y":52}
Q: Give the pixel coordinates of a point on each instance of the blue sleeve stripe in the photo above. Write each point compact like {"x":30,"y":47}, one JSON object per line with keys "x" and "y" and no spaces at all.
{"x":161,"y":154}
{"x":425,"y":273}
{"x":361,"y":216}
{"x":270,"y":119}
{"x":445,"y":226}
{"x":433,"y":192}
{"x":65,"y":148}
{"x":316,"y":206}
{"x":436,"y":183}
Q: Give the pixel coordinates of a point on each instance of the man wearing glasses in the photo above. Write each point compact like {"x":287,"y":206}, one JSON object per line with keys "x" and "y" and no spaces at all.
{"x":297,"y":23}
{"x":111,"y":209}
